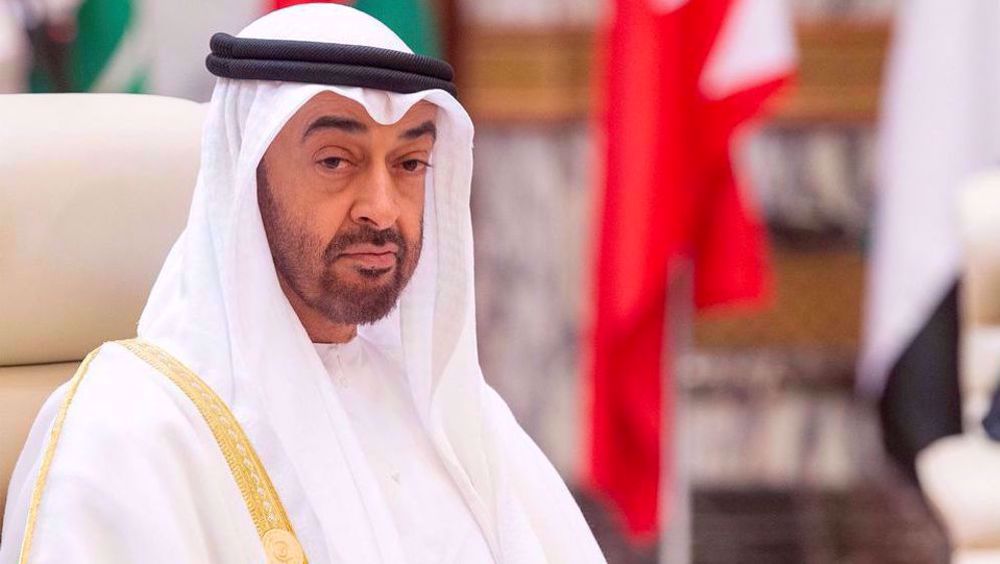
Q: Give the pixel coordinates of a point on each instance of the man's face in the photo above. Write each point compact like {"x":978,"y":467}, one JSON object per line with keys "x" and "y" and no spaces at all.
{"x":342,"y":198}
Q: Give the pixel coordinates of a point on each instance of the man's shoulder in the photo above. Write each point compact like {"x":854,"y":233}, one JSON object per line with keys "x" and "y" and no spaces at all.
{"x":117,"y":440}
{"x":117,"y":420}
{"x":119,"y":394}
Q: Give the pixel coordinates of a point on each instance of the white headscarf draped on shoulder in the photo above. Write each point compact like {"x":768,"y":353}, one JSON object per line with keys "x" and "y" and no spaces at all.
{"x":218,"y":307}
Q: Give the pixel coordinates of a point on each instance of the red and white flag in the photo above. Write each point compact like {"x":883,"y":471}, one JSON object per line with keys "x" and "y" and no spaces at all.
{"x":679,"y":78}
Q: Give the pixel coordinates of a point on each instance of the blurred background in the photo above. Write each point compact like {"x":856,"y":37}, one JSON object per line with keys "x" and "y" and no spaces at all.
{"x":794,"y":408}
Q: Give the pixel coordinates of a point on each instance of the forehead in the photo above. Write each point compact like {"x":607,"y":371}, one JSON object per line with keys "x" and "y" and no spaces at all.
{"x":332,"y":104}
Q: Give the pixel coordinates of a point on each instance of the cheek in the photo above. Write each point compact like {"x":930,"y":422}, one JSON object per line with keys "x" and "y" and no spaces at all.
{"x":328,"y":217}
{"x":303,"y":235}
{"x":411,"y":215}
{"x":302,"y":243}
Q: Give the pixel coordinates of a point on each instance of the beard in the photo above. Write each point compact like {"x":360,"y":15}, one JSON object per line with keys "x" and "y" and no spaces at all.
{"x":307,"y":265}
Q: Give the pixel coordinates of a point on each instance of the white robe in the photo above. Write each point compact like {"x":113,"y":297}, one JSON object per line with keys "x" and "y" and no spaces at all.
{"x":137,"y":477}
{"x":433,"y":521}
{"x":130,"y":430}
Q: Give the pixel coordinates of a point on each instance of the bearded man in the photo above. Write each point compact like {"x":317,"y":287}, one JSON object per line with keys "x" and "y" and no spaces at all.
{"x":305,"y":384}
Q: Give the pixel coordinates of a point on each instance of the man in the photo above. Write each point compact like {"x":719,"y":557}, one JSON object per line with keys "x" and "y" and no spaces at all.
{"x":305,"y":386}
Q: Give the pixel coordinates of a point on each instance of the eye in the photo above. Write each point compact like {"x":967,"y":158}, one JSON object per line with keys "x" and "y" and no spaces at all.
{"x":414,"y":165}
{"x":334,"y":163}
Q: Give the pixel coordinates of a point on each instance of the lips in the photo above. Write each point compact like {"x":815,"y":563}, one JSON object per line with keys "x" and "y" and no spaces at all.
{"x":371,"y":249}
{"x":371,"y":256}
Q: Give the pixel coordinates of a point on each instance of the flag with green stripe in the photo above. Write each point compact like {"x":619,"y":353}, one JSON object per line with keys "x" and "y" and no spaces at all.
{"x":109,"y":51}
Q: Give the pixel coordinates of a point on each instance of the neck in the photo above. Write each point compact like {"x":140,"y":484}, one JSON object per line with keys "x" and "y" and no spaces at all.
{"x":317,"y":326}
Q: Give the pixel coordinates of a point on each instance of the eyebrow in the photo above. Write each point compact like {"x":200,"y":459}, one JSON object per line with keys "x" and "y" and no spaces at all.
{"x":426,"y":128}
{"x":347,"y":125}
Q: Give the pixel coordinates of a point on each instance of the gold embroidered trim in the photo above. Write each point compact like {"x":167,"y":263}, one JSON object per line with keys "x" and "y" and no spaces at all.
{"x":50,"y":452}
{"x":261,"y":499}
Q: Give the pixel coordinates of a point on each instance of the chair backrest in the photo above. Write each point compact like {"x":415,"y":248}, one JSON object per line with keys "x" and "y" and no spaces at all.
{"x":957,"y":473}
{"x":979,"y":220}
{"x":94,"y":188}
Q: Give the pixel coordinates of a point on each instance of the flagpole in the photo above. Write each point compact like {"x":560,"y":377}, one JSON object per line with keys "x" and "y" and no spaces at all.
{"x":676,"y":538}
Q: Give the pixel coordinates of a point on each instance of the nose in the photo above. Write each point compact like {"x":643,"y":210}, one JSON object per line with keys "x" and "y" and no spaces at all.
{"x":376,"y":203}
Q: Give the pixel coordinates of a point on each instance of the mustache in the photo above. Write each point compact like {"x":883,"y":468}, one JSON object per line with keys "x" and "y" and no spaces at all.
{"x":361,"y":235}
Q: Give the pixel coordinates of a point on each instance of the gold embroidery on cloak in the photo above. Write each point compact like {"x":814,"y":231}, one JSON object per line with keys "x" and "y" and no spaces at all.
{"x":261,"y":499}
{"x":50,"y":451}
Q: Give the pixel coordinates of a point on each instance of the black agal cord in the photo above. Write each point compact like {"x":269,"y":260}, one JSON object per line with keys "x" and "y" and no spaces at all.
{"x":327,"y":63}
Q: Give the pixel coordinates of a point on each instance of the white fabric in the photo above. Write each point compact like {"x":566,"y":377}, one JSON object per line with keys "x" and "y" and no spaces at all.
{"x":940,"y":124}
{"x":755,"y":45}
{"x":137,"y":477}
{"x":433,"y":521}
{"x":218,"y":307}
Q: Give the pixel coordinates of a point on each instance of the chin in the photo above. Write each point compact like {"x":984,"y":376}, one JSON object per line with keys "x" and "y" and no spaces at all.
{"x":368,"y":274}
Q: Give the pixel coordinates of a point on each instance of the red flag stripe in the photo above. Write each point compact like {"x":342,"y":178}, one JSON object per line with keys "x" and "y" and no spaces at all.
{"x":279,"y":4}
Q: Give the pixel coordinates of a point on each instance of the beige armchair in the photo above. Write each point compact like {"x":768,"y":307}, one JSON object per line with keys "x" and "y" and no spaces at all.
{"x":94,"y":188}
{"x":960,"y":475}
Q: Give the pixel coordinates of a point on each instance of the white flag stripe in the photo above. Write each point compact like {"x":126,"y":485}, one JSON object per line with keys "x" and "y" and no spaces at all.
{"x":668,"y":5}
{"x":939,"y":126}
{"x":13,"y":51}
{"x":133,"y":56}
{"x":756,"y":44}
